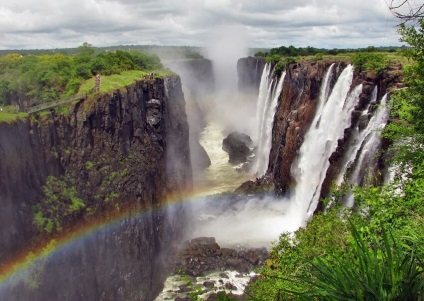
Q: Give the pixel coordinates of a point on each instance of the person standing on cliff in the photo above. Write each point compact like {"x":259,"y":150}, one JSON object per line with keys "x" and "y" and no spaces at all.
{"x":97,"y":87}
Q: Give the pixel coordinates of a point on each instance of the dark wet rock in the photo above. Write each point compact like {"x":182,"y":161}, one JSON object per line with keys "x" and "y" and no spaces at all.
{"x":184,"y":288}
{"x":225,"y":296}
{"x":249,"y":71}
{"x":223,"y":275}
{"x":237,"y":146}
{"x":132,"y":144}
{"x":203,"y":254}
{"x":182,"y":299}
{"x":209,"y":284}
{"x":200,"y":159}
{"x":230,"y":286}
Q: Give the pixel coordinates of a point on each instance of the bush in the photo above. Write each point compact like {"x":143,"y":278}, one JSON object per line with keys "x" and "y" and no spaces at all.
{"x":374,"y":62}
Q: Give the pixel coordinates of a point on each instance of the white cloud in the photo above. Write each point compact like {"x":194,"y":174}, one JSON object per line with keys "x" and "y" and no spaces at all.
{"x":319,"y":23}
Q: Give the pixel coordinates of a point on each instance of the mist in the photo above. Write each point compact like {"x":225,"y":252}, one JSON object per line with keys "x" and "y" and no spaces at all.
{"x":225,"y":46}
{"x":244,"y":221}
{"x":215,"y":107}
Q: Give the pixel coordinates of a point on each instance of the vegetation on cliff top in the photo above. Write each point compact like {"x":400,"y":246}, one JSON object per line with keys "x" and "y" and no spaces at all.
{"x":34,"y":79}
{"x":375,"y":250}
{"x":370,"y":58}
{"x":9,"y":114}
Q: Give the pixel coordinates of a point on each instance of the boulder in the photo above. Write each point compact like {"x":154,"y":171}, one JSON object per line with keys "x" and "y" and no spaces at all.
{"x":203,"y":254}
{"x":237,"y":146}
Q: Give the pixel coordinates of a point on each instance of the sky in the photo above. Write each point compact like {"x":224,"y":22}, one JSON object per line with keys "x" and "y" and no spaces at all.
{"x":44,"y":24}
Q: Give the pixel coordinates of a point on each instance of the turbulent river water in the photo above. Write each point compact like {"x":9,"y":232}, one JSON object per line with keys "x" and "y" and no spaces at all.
{"x":220,"y":176}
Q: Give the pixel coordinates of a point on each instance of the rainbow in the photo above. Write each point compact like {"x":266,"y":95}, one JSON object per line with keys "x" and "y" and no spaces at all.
{"x":20,"y":266}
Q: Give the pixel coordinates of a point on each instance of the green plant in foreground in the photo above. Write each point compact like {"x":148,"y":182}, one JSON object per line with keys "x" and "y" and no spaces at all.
{"x":381,"y":270}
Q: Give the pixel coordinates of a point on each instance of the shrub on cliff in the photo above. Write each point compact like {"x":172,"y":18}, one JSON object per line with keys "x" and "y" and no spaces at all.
{"x":59,"y":201}
{"x":374,"y":62}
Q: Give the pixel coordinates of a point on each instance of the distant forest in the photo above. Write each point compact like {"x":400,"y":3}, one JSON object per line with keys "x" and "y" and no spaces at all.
{"x":305,"y":51}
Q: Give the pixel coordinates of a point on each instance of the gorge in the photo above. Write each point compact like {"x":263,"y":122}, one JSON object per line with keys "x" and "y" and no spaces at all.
{"x":129,"y":157}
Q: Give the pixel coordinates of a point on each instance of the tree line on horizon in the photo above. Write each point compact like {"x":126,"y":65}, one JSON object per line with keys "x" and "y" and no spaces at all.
{"x":292,"y":51}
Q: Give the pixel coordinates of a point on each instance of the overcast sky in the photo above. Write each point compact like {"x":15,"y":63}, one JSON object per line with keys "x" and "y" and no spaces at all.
{"x":28,"y":24}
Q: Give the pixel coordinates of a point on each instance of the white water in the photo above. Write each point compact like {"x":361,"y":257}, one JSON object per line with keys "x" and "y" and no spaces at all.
{"x":172,"y":284}
{"x":257,"y":222}
{"x":269,"y":92}
{"x":370,"y":144}
{"x":356,"y":142}
{"x":309,"y":169}
{"x":220,"y":176}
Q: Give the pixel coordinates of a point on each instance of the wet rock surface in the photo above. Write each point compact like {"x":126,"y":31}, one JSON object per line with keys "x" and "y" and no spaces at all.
{"x":249,"y":71}
{"x":124,"y":150}
{"x":203,"y":254}
{"x":296,"y":110}
{"x":237,"y":146}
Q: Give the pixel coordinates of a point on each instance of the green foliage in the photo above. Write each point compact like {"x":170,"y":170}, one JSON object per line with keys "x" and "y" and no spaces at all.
{"x":371,"y":61}
{"x":381,"y":257}
{"x":111,"y":196}
{"x":290,"y":258}
{"x":10,"y":115}
{"x":381,"y":270}
{"x":59,"y":201}
{"x":89,"y":165}
{"x":318,"y":57}
{"x":414,"y":74}
{"x":273,"y":58}
{"x":43,"y":78}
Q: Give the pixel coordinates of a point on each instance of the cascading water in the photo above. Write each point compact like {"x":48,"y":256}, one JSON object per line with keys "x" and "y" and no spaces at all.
{"x":356,"y":142}
{"x":256,"y":221}
{"x":269,"y":92}
{"x":331,"y":119}
{"x":367,"y":146}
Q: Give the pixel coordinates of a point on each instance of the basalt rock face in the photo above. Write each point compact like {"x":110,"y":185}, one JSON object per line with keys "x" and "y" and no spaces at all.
{"x":294,"y":114}
{"x":296,"y":109}
{"x":124,"y":152}
{"x":249,"y":74}
{"x":387,"y":81}
{"x":198,"y":85}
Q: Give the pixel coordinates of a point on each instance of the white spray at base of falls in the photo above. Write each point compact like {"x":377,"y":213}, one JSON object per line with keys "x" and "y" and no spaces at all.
{"x":333,"y":116}
{"x":269,"y":92}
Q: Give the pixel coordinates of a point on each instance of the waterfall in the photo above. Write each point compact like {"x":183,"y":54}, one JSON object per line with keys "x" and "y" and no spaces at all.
{"x":355,"y":143}
{"x":369,"y":143}
{"x":269,"y":92}
{"x":332,"y":117}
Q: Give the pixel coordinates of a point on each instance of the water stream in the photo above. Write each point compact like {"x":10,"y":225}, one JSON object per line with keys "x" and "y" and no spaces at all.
{"x":252,"y":221}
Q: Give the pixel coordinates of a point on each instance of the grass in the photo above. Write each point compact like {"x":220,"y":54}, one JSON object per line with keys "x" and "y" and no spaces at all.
{"x":390,"y":57}
{"x":116,"y":81}
{"x":10,"y":115}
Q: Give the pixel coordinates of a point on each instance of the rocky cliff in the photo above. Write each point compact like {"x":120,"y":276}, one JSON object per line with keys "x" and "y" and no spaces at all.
{"x":249,"y":72}
{"x":199,"y":86}
{"x":126,"y":151}
{"x":295,"y":111}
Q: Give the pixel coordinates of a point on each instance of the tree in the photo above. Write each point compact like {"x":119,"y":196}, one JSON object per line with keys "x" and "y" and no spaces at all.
{"x":406,"y":10}
{"x":414,"y":75}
